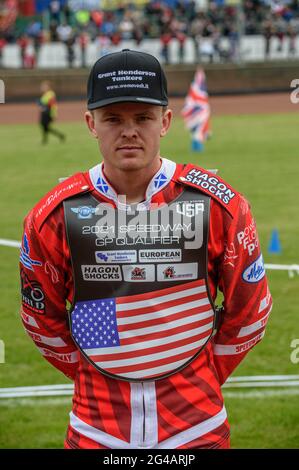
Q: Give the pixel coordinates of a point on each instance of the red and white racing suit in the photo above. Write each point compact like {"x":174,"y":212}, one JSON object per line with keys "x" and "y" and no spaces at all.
{"x":184,"y":410}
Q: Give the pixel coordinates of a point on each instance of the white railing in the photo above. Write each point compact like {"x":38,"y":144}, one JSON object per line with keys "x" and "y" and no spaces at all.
{"x":54,"y":55}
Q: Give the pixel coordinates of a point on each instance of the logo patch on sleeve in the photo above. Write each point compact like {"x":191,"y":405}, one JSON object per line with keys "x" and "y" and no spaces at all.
{"x":212,"y":185}
{"x":255,"y":272}
{"x":33,"y":297}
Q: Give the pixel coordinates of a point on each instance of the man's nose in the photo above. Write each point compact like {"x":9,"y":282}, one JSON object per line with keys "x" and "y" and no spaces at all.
{"x":129,"y":129}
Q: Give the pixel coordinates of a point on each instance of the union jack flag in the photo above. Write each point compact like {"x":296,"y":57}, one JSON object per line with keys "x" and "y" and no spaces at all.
{"x":144,"y":335}
{"x":196,"y":111}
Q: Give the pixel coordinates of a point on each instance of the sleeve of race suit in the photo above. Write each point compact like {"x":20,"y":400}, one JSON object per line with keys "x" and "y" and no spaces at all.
{"x":44,"y":290}
{"x":247,"y":300}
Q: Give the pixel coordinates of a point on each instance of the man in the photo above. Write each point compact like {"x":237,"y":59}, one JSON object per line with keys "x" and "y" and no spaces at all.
{"x":138,"y":247}
{"x":48,"y":112}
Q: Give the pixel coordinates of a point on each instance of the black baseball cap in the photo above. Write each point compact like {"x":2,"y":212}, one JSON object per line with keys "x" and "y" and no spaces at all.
{"x":126,"y":76}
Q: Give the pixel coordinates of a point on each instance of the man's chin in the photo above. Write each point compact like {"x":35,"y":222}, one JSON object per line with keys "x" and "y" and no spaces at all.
{"x":131,"y":166}
{"x":132,"y":163}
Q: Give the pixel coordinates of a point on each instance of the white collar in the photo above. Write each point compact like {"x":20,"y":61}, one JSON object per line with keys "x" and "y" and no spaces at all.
{"x":158,"y":182}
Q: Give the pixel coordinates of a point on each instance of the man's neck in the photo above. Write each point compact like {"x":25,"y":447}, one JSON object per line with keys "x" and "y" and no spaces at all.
{"x":132,"y":184}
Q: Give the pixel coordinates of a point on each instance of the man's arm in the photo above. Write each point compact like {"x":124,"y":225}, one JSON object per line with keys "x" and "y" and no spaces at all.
{"x":44,"y":283}
{"x":247,"y":300}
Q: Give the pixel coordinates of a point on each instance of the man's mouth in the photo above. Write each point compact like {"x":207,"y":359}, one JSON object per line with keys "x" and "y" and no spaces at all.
{"x":129,"y":147}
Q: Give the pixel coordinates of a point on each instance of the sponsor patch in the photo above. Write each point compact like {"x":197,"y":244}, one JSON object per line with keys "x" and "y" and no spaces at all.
{"x":120,"y":256}
{"x":184,"y":271}
{"x":248,"y":238}
{"x":52,"y":272}
{"x":84,"y":212}
{"x":230,"y":255}
{"x":33,"y":297}
{"x":25,"y":258}
{"x":149,"y":256}
{"x":67,"y":357}
{"x":97,"y":272}
{"x":255,"y":271}
{"x":139,"y":273}
{"x":212,"y":185}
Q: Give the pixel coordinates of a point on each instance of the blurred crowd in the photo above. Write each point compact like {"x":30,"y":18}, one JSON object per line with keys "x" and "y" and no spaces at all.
{"x":167,"y":20}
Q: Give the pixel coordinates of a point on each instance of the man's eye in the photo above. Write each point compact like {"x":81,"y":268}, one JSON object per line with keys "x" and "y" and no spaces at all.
{"x":112,"y":119}
{"x":143,"y":118}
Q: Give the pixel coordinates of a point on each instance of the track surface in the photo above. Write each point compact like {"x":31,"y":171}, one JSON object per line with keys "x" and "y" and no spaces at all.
{"x":221,"y":105}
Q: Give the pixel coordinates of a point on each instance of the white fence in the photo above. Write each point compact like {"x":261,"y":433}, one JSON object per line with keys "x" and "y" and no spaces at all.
{"x":54,"y":55}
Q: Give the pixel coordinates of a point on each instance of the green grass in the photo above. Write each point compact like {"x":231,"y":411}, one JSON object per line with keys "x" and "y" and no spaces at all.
{"x":258,"y":155}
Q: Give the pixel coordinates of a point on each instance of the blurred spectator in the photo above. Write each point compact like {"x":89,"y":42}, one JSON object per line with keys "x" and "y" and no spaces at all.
{"x":292,"y":39}
{"x":64,"y":32}
{"x":54,"y":10}
{"x":70,"y":51}
{"x":115,"y":38}
{"x":83,"y":42}
{"x":8,"y":15}
{"x":166,"y":38}
{"x":208,"y":50}
{"x":280,"y":29}
{"x":97,"y":17}
{"x":67,"y":13}
{"x":219,"y":52}
{"x":103,"y":44}
{"x":126,"y":26}
{"x":53,"y":32}
{"x":137,"y":35}
{"x":35,"y":32}
{"x":2,"y":45}
{"x":179,"y":32}
{"x":66,"y":35}
{"x":196,"y":32}
{"x":268,"y":30}
{"x":29,"y":56}
{"x":234,"y":40}
{"x":108,"y":27}
{"x":23,"y":42}
{"x":82,"y":18}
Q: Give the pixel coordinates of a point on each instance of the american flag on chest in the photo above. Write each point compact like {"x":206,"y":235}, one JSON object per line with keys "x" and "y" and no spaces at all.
{"x":147,"y":335}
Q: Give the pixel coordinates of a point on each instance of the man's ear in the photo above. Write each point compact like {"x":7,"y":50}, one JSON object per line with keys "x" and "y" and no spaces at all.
{"x":166,"y":121}
{"x":89,"y":118}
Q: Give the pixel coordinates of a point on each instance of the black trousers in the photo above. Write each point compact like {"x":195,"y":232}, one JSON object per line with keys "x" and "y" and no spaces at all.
{"x":45,"y":122}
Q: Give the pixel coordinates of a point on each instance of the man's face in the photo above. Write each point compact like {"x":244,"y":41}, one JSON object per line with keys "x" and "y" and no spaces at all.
{"x":129,"y":134}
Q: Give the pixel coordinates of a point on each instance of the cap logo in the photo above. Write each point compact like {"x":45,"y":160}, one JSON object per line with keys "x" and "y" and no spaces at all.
{"x":120,"y":75}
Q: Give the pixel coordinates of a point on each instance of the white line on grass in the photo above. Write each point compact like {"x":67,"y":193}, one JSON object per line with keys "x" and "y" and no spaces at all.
{"x":46,"y":393}
{"x":38,"y":387}
{"x":13,"y":402}
{"x":283,"y":267}
{"x":286,"y":383}
{"x":261,"y":394}
{"x":56,"y":401}
{"x":255,"y":381}
{"x":248,"y":378}
{"x":12,"y":243}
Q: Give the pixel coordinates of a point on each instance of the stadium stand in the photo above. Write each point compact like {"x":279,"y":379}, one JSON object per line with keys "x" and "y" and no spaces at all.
{"x":39,"y":33}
